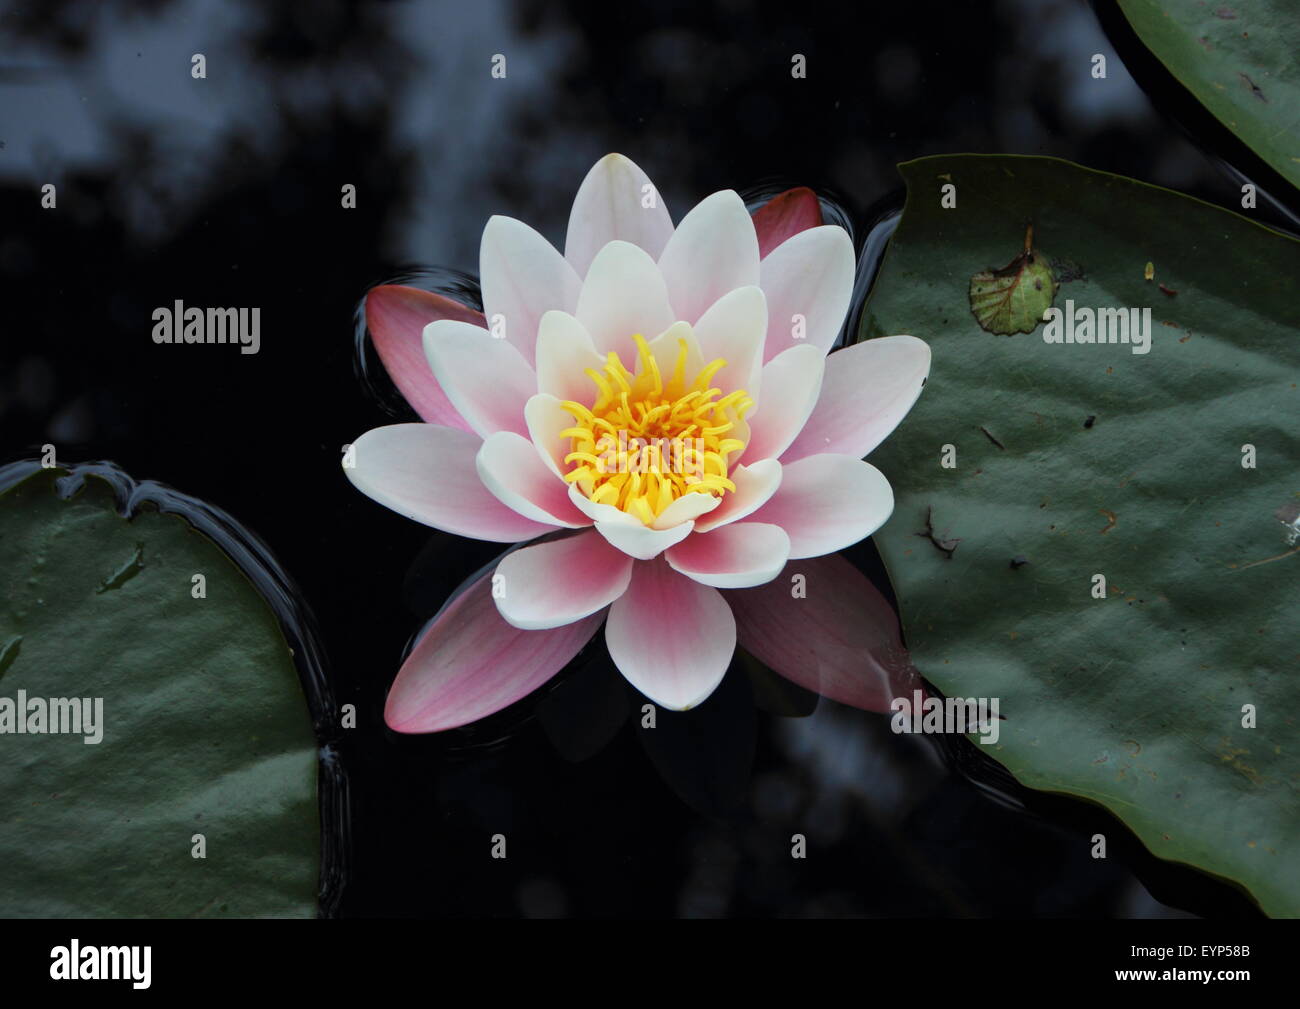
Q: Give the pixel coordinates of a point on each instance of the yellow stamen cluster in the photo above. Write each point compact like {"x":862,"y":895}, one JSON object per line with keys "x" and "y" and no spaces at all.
{"x":647,"y":440}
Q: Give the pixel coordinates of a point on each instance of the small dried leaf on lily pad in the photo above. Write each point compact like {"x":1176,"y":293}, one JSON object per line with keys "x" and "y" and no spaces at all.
{"x":1014,"y":298}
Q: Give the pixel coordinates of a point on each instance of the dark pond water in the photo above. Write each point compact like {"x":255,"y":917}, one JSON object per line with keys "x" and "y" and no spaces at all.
{"x":226,"y":191}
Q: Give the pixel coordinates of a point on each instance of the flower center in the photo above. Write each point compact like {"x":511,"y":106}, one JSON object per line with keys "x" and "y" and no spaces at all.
{"x":647,"y":440}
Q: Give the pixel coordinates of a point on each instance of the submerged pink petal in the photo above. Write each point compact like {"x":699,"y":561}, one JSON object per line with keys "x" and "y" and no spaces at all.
{"x":784,"y":216}
{"x":396,"y":316}
{"x":838,"y":636}
{"x":471,"y":663}
{"x":672,"y":638}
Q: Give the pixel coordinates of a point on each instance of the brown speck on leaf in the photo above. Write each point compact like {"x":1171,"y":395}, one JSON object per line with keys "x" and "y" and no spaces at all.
{"x":1111,"y":517}
{"x":1172,"y":325}
{"x":1184,"y":339}
{"x":1168,"y":290}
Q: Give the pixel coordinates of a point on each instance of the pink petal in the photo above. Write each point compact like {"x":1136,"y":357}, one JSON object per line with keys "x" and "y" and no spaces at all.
{"x":672,"y":638}
{"x":427,"y":473}
{"x":511,"y":468}
{"x":560,"y":581}
{"x":828,"y":502}
{"x":623,"y":293}
{"x":733,"y":557}
{"x":841,"y":640}
{"x":791,"y":383}
{"x":564,"y":353}
{"x":755,"y":485}
{"x":810,"y":276}
{"x":471,"y":663}
{"x":867,"y":389}
{"x":486,"y":378}
{"x":610,"y":206}
{"x":396,"y":317}
{"x":714,"y":250}
{"x":523,"y":277}
{"x":734,"y":329}
{"x":784,"y":216}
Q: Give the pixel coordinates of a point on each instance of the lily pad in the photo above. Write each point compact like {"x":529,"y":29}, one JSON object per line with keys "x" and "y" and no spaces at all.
{"x":1239,"y":60}
{"x":204,"y":727}
{"x":1080,"y":459}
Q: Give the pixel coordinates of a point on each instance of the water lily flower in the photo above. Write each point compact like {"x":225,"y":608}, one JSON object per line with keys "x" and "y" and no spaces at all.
{"x":657,"y":410}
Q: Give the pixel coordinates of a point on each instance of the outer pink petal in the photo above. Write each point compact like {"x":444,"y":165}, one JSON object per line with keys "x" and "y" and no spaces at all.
{"x":671,"y":637}
{"x":840,"y":638}
{"x":471,"y":663}
{"x":396,"y":316}
{"x":427,"y":473}
{"x":610,"y":206}
{"x":487,"y":379}
{"x":867,"y":389}
{"x":733,"y":557}
{"x":560,"y":581}
{"x":784,"y":216}
{"x":828,"y":502}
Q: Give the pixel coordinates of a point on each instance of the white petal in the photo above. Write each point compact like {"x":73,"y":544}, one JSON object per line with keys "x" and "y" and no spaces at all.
{"x":713,"y":251}
{"x":828,"y":502}
{"x":755,"y":485}
{"x":546,"y":419}
{"x":510,"y":467}
{"x":427,"y":473}
{"x":685,"y":508}
{"x":623,"y":293}
{"x":671,"y":637}
{"x":564,"y":351}
{"x":737,"y":556}
{"x":809,"y":275}
{"x":610,"y":206}
{"x":665,"y":347}
{"x":868,"y":388}
{"x":487,"y":380}
{"x":522,"y":277}
{"x":734,"y":329}
{"x":791,"y":383}
{"x":639,"y":540}
{"x":555,"y":583}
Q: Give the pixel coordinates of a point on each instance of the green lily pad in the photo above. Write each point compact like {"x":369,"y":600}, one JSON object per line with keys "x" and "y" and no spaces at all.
{"x":1239,"y":60}
{"x":1081,"y":459}
{"x":204,"y":727}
